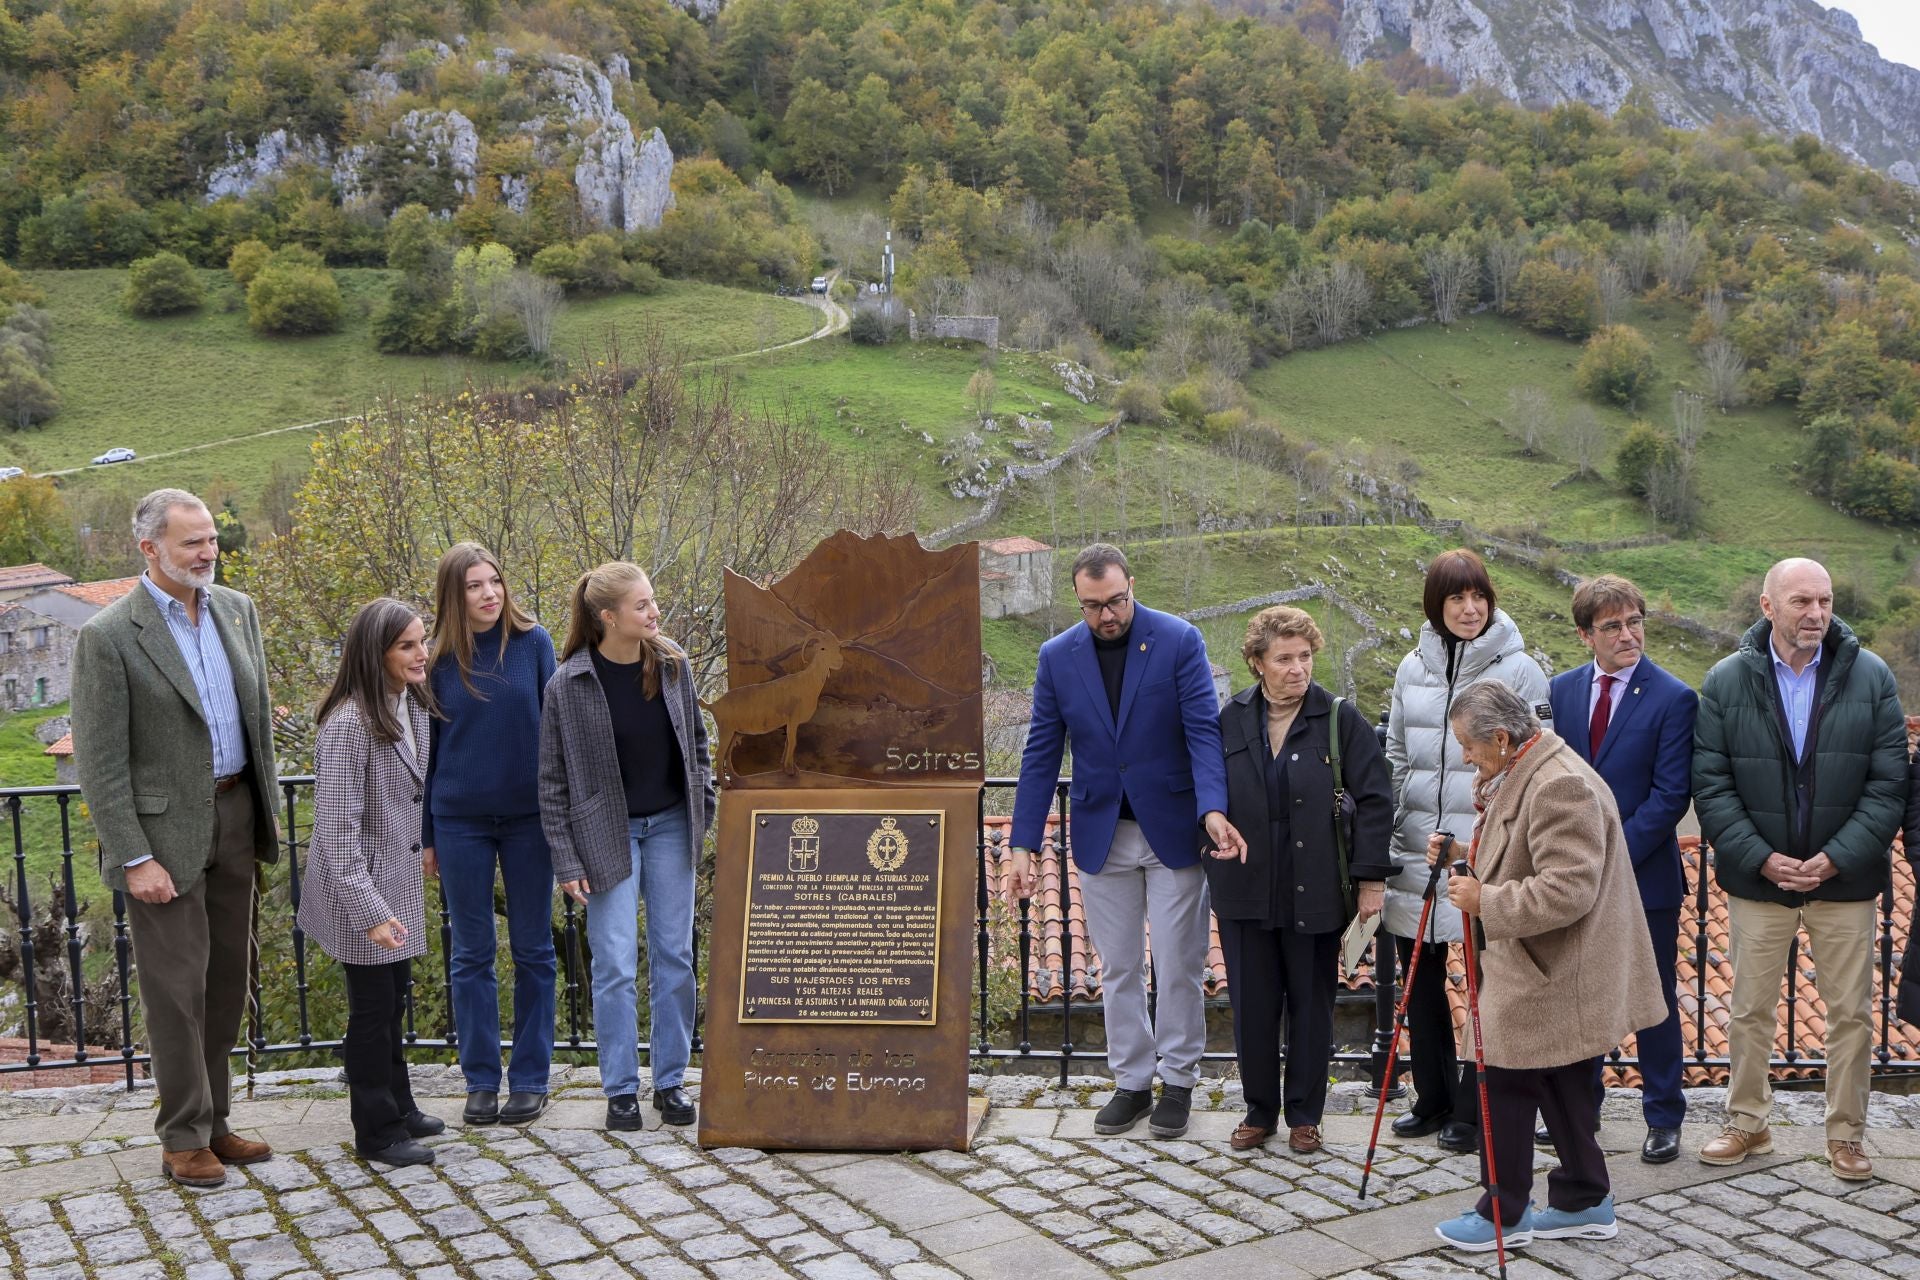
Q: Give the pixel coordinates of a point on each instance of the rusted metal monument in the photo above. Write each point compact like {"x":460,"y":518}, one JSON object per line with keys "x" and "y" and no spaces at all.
{"x":850,"y":759}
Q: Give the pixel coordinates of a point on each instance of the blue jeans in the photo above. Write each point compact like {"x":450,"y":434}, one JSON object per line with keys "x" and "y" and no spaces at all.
{"x":662,"y":878}
{"x":469,"y":849}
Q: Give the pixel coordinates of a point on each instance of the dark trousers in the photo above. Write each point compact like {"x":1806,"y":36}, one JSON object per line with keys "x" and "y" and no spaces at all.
{"x":1276,"y":975}
{"x":379,"y":1092}
{"x":1444,"y":1085}
{"x":191,"y":958}
{"x":1563,"y":1097}
{"x":471,"y":851}
{"x":1662,"y":1054}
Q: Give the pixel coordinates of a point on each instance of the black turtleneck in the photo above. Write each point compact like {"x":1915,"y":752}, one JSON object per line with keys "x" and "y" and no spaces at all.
{"x":1113,"y":670}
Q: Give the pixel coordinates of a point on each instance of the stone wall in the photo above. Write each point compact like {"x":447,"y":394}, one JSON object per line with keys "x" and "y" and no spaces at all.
{"x":984,"y":329}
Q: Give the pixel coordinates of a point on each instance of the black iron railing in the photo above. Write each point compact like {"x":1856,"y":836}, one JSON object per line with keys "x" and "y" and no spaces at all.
{"x":1004,"y":1030}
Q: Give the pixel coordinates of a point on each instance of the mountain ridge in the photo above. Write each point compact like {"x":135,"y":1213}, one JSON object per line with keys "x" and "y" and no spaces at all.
{"x":1795,"y":65}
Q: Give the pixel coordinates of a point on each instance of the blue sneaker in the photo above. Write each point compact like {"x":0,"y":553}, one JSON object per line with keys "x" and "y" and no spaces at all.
{"x":1596,"y":1223}
{"x":1474,"y":1233}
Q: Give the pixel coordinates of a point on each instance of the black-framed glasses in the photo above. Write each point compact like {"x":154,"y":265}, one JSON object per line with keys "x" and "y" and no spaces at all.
{"x":1094,"y":608}
{"x":1614,"y":628}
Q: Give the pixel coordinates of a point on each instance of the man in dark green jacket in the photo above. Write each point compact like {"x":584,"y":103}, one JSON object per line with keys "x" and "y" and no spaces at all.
{"x":1800,"y":781}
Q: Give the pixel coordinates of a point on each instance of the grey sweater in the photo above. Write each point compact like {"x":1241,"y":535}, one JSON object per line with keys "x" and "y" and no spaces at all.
{"x":583,"y":800}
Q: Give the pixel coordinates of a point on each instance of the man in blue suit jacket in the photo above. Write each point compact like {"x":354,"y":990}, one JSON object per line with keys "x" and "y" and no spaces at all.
{"x":1131,"y":688}
{"x":1633,"y":722}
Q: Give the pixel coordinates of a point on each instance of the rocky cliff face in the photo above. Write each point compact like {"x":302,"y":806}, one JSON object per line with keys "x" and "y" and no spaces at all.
{"x":1795,"y":65}
{"x":623,"y":180}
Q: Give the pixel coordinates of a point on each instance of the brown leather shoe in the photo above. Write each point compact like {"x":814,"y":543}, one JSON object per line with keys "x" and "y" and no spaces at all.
{"x":1249,"y":1136}
{"x":196,"y":1168}
{"x":1734,"y":1145}
{"x":234,"y":1149}
{"x":1849,"y":1161}
{"x":1304,"y":1139}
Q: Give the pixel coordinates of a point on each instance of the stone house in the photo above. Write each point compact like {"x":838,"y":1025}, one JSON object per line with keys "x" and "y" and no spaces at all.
{"x":64,"y":769}
{"x":1016,"y":577}
{"x":75,"y":602}
{"x":36,"y":658}
{"x":37,"y":635}
{"x":19,"y":580}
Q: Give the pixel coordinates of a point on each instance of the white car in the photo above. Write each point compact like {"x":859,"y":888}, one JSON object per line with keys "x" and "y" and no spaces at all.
{"x":8,"y":473}
{"x":819,"y":284}
{"x":121,"y":454}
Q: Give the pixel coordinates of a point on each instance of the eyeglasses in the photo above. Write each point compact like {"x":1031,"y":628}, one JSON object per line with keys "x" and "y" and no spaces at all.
{"x":1614,"y":628}
{"x":1094,"y":608}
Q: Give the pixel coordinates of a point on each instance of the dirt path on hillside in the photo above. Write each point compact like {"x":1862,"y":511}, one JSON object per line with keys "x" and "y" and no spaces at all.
{"x":837,"y":320}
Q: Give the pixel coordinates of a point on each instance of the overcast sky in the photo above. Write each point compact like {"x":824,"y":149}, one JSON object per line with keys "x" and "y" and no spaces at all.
{"x":1891,"y":25}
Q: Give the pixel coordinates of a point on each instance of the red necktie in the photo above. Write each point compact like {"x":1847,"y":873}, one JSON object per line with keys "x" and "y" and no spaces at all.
{"x":1602,"y":709}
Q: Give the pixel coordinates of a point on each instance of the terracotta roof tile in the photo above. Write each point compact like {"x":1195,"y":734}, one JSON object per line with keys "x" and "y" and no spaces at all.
{"x":64,"y":747}
{"x":1018,"y":545}
{"x":20,"y":577}
{"x":1057,"y":898}
{"x":102,"y":593}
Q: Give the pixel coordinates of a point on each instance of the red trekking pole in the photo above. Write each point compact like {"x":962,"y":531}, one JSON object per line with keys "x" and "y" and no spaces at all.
{"x":1399,"y":1026}
{"x":1462,"y":868}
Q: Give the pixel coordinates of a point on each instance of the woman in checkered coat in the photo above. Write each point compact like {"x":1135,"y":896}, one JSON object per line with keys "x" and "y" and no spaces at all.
{"x":362,"y":899}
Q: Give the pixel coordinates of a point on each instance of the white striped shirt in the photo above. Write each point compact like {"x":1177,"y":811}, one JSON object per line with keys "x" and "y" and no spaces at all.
{"x":212,"y":674}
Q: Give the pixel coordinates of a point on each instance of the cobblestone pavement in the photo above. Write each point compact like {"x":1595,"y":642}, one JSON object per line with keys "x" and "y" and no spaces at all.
{"x":1038,"y":1196}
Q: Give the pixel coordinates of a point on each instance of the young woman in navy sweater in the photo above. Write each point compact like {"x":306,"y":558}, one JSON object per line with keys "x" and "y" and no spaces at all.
{"x":491,"y":663}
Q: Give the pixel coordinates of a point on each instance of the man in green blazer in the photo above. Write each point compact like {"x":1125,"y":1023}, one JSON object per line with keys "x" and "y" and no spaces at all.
{"x":172,"y":734}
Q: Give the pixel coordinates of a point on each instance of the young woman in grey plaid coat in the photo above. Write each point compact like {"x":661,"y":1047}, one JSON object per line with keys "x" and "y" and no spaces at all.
{"x":626,"y":796}
{"x":363,"y":899}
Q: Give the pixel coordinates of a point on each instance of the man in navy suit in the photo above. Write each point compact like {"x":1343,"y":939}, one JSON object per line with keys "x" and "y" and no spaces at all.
{"x":1633,"y":723}
{"x":1131,"y":688}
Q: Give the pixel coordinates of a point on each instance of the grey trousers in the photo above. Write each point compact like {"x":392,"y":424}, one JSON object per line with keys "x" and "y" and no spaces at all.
{"x":191,"y":958}
{"x":1129,"y":894}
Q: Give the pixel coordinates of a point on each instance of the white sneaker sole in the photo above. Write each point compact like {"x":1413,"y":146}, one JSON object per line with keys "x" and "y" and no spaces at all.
{"x":1512,"y":1240}
{"x":1587,"y":1231}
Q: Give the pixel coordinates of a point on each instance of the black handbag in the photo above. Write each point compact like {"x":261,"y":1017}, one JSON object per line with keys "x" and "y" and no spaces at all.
{"x":1343,"y":810}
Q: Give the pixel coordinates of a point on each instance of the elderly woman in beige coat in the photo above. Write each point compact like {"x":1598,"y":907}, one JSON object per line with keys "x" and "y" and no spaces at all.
{"x":1567,"y":971}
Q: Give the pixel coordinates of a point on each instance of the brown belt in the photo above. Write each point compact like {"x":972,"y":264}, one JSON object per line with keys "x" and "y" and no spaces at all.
{"x":223,"y":785}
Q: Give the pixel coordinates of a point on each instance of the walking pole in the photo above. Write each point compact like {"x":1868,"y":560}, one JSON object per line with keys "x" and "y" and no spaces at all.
{"x":1399,"y":1026}
{"x":1461,"y":868}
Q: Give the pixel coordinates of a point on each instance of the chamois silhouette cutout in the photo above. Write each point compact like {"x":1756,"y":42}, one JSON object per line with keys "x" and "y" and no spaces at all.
{"x":787,"y":701}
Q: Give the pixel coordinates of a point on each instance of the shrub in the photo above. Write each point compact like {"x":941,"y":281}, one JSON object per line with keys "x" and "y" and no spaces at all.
{"x":872,"y":327}
{"x":417,"y":319}
{"x":27,"y":396}
{"x":1139,"y":400}
{"x":14,"y":288}
{"x":1617,"y":365}
{"x":644,"y":278}
{"x":1552,"y":299}
{"x":1645,"y":450}
{"x":602,"y":268}
{"x":1187,"y":402}
{"x":559,"y":263}
{"x":162,"y":285}
{"x":293,"y":299}
{"x":244,"y":263}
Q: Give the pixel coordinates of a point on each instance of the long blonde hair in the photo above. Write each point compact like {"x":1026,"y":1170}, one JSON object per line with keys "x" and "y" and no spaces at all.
{"x":452,"y":632}
{"x":606,"y":587}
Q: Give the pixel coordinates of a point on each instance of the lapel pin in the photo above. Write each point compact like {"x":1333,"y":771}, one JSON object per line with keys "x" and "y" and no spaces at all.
{"x":1143,"y":646}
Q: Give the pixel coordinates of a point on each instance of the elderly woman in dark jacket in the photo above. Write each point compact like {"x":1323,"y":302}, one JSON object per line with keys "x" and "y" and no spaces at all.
{"x":1283,"y":904}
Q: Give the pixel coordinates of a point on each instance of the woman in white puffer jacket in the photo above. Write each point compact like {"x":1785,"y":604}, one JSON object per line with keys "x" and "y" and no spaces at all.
{"x":1465,"y":640}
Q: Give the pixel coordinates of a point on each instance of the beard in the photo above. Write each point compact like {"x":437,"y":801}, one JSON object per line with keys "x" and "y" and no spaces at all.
{"x":184,"y":574}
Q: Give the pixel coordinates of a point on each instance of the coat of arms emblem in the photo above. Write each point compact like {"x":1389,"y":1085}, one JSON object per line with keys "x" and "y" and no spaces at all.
{"x":803,"y":846}
{"x":887,"y":846}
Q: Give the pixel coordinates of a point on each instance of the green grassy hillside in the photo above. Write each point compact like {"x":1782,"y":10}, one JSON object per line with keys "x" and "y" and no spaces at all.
{"x":203,"y":378}
{"x":1437,"y":393}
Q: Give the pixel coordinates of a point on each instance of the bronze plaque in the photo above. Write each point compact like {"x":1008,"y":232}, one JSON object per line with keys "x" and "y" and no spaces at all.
{"x":848,"y":742}
{"x":843,"y":917}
